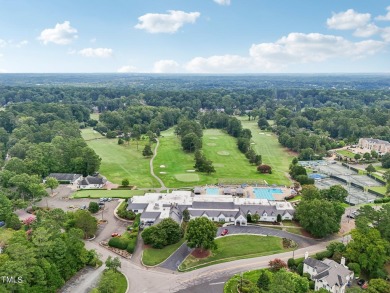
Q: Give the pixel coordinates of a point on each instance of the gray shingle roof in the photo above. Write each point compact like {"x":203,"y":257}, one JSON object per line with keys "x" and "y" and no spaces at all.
{"x":92,"y":180}
{"x":175,"y":215}
{"x":335,"y":275}
{"x":205,"y":205}
{"x":71,"y":177}
{"x":212,"y":213}
{"x":150,"y":215}
{"x":136,"y":206}
{"x":316,"y":264}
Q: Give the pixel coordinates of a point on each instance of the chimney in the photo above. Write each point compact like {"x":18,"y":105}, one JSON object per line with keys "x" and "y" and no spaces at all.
{"x":342,"y":262}
{"x":306,"y":255}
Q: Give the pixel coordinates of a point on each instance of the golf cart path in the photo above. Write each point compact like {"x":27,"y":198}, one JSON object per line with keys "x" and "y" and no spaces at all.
{"x":151,"y":166}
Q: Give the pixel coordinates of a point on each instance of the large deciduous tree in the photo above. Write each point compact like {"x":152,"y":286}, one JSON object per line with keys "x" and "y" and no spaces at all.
{"x":368,"y":249}
{"x":201,"y":233}
{"x":319,"y":217}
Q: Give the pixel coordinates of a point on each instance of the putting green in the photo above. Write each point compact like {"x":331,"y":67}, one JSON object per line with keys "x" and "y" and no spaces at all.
{"x":187,"y":177}
{"x":211,"y":144}
{"x":223,"y":153}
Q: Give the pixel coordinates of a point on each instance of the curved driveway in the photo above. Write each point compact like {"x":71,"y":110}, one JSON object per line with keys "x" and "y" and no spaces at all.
{"x":173,"y":262}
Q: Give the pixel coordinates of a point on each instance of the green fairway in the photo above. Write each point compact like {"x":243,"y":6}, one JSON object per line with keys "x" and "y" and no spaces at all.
{"x":123,"y":161}
{"x":228,"y":161}
{"x":236,"y":247}
{"x":115,"y":193}
{"x":272,"y":153}
{"x":89,"y":134}
{"x":152,"y":256}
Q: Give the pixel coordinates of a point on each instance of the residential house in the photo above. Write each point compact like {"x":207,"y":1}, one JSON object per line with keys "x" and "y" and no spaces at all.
{"x":66,"y":178}
{"x":92,"y":182}
{"x":328,"y":274}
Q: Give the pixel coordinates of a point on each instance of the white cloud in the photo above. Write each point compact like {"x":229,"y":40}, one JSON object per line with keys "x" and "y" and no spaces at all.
{"x":384,"y":17}
{"x":385,"y":34}
{"x":348,"y":20}
{"x":165,"y":23}
{"x":224,"y":63}
{"x":22,"y":44}
{"x":127,"y":69}
{"x":295,"y":48}
{"x":3,"y":43}
{"x":313,"y":47}
{"x":222,"y":2}
{"x":61,"y":34}
{"x":93,"y":40}
{"x":166,"y":66}
{"x":367,"y":31}
{"x":3,"y":70}
{"x":95,"y":52}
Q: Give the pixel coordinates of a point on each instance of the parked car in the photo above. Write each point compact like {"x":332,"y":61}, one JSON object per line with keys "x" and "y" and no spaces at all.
{"x":115,"y":234}
{"x":361,"y":282}
{"x":109,"y":199}
{"x":2,"y":223}
{"x":84,"y":207}
{"x":225,"y":232}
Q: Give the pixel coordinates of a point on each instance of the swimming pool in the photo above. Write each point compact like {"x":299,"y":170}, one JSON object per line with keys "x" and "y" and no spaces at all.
{"x":266,"y":193}
{"x":212,"y":191}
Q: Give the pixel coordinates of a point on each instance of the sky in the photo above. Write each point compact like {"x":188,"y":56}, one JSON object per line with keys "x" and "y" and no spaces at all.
{"x":194,"y":36}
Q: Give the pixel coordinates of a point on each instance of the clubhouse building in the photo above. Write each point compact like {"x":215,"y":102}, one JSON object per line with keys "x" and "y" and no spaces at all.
{"x":155,"y":207}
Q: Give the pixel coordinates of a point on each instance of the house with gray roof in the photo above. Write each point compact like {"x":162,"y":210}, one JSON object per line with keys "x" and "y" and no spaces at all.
{"x":66,"y":178}
{"x":92,"y":182}
{"x":328,"y":274}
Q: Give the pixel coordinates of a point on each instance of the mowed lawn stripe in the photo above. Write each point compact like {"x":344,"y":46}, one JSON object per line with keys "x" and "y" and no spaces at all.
{"x":272,"y":152}
{"x":123,"y":161}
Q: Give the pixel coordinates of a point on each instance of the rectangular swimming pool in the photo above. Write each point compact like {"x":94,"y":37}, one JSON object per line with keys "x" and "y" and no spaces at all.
{"x":212,"y":191}
{"x":266,"y":193}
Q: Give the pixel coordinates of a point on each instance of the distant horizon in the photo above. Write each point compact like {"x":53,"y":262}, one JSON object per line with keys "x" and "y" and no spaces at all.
{"x":204,"y":74}
{"x":195,"y":37}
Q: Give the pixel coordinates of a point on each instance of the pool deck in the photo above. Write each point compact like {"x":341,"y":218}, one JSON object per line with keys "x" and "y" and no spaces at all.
{"x":248,"y":191}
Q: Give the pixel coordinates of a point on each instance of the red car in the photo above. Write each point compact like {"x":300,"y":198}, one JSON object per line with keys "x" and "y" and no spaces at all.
{"x":225,"y":232}
{"x":115,"y":234}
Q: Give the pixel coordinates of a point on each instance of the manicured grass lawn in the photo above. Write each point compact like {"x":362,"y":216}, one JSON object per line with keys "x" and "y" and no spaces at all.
{"x":298,"y":197}
{"x":272,"y":152}
{"x":346,"y":153}
{"x":5,"y":235}
{"x":218,"y":147}
{"x":236,"y":247}
{"x":107,"y":193}
{"x":380,"y":189}
{"x":152,"y":256}
{"x":89,"y":133}
{"x":123,"y":161}
{"x":120,"y":284}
